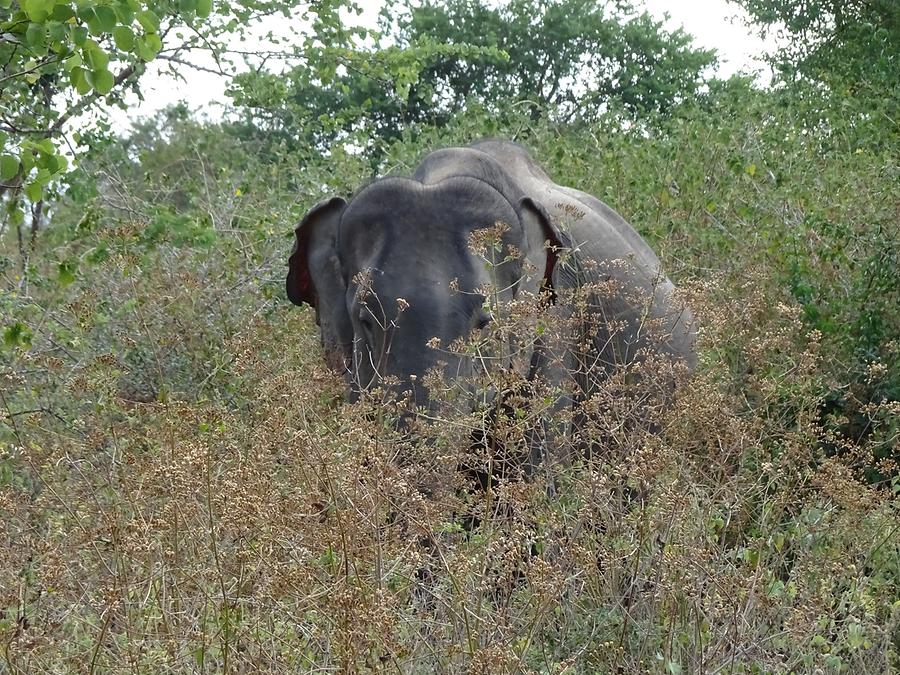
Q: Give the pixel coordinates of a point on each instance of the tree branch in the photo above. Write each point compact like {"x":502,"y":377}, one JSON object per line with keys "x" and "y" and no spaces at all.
{"x":29,"y":70}
{"x":79,"y":107}
{"x":87,"y":101}
{"x":11,"y":128}
{"x":175,"y":59}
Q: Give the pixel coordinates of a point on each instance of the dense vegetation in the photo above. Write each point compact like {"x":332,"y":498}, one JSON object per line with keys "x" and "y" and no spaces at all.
{"x":181,"y":488}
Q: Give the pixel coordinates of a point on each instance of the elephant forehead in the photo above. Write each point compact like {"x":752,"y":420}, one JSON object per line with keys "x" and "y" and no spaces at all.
{"x":424,"y":222}
{"x":415,"y":272}
{"x":414,"y":241}
{"x":447,"y":210}
{"x":411,"y":232}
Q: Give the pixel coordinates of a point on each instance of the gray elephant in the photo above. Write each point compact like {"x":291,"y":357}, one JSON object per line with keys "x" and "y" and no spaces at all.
{"x":394,"y":268}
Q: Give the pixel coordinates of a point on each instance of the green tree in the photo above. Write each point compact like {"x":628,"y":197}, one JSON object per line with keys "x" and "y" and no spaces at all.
{"x":343,"y":93}
{"x":572,"y":57}
{"x":843,"y":56}
{"x":577,"y":56}
{"x":60,"y":60}
{"x":834,"y":40}
{"x":839,"y":78}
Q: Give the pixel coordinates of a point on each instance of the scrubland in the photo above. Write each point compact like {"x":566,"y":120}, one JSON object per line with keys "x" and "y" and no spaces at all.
{"x":182,"y":488}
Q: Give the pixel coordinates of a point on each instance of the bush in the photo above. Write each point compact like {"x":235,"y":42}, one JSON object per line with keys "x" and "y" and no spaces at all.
{"x":182,"y":489}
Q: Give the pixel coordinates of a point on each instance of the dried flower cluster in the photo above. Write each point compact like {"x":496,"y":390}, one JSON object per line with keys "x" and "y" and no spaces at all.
{"x":283,"y":534}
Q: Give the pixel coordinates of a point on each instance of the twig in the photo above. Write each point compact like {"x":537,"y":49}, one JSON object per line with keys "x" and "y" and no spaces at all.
{"x":29,"y":70}
{"x":205,"y":69}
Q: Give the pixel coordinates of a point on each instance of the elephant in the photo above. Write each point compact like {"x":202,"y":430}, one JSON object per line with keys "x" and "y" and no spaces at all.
{"x":392,"y":272}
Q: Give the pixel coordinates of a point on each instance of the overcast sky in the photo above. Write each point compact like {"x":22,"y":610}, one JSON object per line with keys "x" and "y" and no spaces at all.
{"x":714,"y":24}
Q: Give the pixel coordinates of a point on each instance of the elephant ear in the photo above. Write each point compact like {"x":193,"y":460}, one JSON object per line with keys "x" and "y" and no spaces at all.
{"x":314,"y":246}
{"x":314,"y":278}
{"x":543,"y":243}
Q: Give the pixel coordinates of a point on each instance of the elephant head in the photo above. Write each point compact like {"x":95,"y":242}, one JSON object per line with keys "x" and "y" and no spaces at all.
{"x":394,"y":268}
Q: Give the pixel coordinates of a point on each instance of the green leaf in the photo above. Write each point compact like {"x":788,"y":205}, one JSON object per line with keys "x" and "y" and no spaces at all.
{"x":73,"y":61}
{"x":856,"y":636}
{"x":47,"y":161}
{"x":124,"y":38}
{"x":34,"y":192}
{"x":17,"y":335}
{"x":79,"y":35}
{"x":204,"y":8}
{"x":42,"y":177}
{"x":67,"y":270}
{"x":149,"y":21}
{"x":80,"y":81}
{"x":35,"y":35}
{"x":46,"y":146}
{"x":62,"y":12}
{"x":38,"y":10}
{"x":778,"y":541}
{"x":125,"y":13}
{"x":834,"y":662}
{"x":16,"y":215}
{"x":106,"y":17}
{"x":102,"y":81}
{"x":51,"y":163}
{"x":187,"y":6}
{"x":143,"y":51}
{"x":27,"y":159}
{"x":98,"y":254}
{"x":9,"y":167}
{"x":96,"y":58}
{"x":90,"y":17}
{"x":154,"y":42}
{"x":57,"y":33}
{"x":148,"y":46}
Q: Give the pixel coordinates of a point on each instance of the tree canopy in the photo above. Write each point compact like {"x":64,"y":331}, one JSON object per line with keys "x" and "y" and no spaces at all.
{"x":848,"y":51}
{"x":570,"y":59}
{"x":60,"y":60}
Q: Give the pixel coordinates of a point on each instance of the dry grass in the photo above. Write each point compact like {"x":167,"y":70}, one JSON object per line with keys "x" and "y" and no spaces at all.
{"x":260,"y":525}
{"x":181,"y":489}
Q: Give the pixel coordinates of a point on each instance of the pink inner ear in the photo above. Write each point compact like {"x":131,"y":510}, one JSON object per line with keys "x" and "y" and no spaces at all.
{"x":299,"y":281}
{"x":304,"y":285}
{"x":299,"y":277}
{"x":547,"y":282}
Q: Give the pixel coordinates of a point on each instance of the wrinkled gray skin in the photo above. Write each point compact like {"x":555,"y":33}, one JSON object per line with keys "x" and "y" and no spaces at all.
{"x":411,"y":237}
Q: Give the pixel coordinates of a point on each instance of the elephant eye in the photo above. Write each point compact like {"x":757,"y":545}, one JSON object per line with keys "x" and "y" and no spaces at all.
{"x":484,"y":319}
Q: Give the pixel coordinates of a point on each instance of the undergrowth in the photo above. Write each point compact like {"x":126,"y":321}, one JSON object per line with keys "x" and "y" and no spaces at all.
{"x":183,"y":489}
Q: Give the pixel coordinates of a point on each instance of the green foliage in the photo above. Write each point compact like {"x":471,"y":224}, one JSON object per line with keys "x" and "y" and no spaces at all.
{"x":574,"y":56}
{"x":344,"y":94}
{"x":849,"y":48}
{"x":174,"y":466}
{"x":50,"y":48}
{"x":62,"y":60}
{"x":832,"y":39}
{"x":570,"y":58}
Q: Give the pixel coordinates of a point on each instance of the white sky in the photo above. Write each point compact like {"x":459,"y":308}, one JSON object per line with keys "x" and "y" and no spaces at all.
{"x":715,"y":24}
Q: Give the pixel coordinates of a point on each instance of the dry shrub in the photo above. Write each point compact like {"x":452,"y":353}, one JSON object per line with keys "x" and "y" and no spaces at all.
{"x":262,"y":525}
